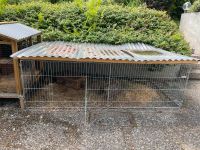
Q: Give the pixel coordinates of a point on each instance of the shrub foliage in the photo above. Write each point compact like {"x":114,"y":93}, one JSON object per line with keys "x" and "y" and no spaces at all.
{"x":196,"y":6}
{"x":173,"y":7}
{"x":105,"y":24}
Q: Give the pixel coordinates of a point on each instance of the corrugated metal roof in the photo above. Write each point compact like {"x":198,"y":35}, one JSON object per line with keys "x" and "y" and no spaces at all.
{"x":17,"y":31}
{"x":128,"y":52}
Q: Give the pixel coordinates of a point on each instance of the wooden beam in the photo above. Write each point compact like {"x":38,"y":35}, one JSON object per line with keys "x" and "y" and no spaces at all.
{"x":30,"y":41}
{"x":5,"y":42}
{"x":5,"y":39}
{"x":107,"y":61}
{"x":17,"y":73}
{"x":39,"y":38}
{"x":9,"y":38}
{"x":9,"y":95}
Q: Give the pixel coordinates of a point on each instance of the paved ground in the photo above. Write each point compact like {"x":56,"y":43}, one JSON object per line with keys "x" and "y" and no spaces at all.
{"x":139,"y":130}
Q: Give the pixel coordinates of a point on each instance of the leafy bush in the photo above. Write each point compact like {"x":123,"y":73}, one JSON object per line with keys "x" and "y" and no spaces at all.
{"x":2,"y":5}
{"x":159,"y":4}
{"x":28,"y":1}
{"x":19,"y":1}
{"x":133,"y":3}
{"x":105,"y":24}
{"x":173,"y":7}
{"x":196,"y":6}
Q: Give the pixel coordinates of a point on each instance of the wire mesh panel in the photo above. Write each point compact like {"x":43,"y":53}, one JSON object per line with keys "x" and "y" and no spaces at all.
{"x":136,"y":86}
{"x":54,"y":84}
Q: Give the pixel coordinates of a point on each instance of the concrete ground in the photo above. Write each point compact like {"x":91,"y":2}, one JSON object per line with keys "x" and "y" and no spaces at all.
{"x":139,"y":129}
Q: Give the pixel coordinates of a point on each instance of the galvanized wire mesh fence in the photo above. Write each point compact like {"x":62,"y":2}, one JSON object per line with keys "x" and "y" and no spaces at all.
{"x":56,"y":84}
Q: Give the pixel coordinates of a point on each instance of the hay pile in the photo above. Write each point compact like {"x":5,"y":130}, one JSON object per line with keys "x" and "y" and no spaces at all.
{"x":143,"y":96}
{"x":7,"y":84}
{"x":134,"y":94}
{"x":62,"y":92}
{"x":61,"y":95}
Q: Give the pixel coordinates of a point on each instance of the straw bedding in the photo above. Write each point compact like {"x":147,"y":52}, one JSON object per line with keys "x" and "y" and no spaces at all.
{"x":60,"y":94}
{"x":138,"y":94}
{"x":7,"y":84}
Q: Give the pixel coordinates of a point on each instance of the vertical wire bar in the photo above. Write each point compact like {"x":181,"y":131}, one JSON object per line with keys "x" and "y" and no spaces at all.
{"x":109,"y":79}
{"x":50,"y":80}
{"x":22,"y":79}
{"x":187,"y":77}
{"x":47,"y":82}
{"x":38,"y":87}
{"x":86,"y":101}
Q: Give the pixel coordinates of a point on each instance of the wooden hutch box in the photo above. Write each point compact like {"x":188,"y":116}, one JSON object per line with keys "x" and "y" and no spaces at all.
{"x":13,"y":37}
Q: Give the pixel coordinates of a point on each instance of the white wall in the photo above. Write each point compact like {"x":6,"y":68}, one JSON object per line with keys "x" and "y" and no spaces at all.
{"x":190,"y":27}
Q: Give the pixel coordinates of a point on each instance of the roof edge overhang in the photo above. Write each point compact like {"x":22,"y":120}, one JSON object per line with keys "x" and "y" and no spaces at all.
{"x":108,"y":61}
{"x":8,"y":22}
{"x":15,"y":40}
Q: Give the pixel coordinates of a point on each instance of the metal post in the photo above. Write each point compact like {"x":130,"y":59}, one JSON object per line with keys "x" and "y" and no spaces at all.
{"x":109,"y":84}
{"x":22,"y":94}
{"x":85,"y":107}
{"x":188,"y":76}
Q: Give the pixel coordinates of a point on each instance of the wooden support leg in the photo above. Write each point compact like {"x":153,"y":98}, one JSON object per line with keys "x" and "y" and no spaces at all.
{"x":21,"y":101}
{"x":17,"y":75}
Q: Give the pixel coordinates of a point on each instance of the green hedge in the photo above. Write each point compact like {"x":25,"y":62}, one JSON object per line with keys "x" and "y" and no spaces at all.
{"x":100,"y":24}
{"x":28,"y":1}
{"x":173,"y":7}
{"x":196,"y":6}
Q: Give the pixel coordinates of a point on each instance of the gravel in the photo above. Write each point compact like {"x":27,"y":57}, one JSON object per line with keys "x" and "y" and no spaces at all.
{"x":177,"y":129}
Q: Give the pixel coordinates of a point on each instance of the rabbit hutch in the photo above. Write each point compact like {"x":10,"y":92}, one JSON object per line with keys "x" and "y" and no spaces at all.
{"x":85,"y":76}
{"x":13,"y":37}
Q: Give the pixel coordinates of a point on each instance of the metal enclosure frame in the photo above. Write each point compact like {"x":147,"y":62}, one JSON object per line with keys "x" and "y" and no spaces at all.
{"x":87,"y":75}
{"x":88,"y":85}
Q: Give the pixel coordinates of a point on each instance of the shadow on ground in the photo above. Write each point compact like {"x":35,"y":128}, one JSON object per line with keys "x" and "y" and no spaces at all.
{"x":106,"y":129}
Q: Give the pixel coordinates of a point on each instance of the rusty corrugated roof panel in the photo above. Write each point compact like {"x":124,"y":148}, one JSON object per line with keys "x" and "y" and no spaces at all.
{"x":17,"y":31}
{"x":131,"y":52}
